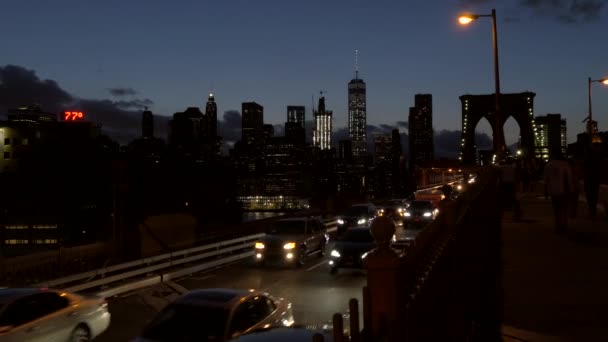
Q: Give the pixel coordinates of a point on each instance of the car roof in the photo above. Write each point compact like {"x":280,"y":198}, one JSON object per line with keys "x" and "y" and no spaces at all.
{"x":421,"y":202}
{"x":8,"y":295}
{"x":292,"y":334}
{"x":215,"y":297}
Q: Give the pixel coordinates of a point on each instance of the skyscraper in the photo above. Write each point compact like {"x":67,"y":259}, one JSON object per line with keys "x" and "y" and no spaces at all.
{"x":421,"y":129}
{"x":321,"y":136}
{"x":357,"y":117}
{"x":147,"y":124}
{"x":295,"y":126}
{"x":252,"y":122}
{"x":551,"y":136}
{"x":296,"y":114}
{"x":211,"y":116}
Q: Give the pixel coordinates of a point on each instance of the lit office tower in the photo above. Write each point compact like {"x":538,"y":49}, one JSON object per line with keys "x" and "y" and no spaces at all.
{"x":211,"y":116}
{"x":551,"y":138}
{"x":294,"y":127}
{"x":296,"y":114}
{"x":421,"y":130}
{"x":252,"y":122}
{"x":357,"y":117}
{"x":321,"y":136}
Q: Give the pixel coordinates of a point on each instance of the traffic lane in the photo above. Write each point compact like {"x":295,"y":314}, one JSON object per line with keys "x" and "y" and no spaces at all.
{"x":314,"y":293}
{"x":131,"y":312}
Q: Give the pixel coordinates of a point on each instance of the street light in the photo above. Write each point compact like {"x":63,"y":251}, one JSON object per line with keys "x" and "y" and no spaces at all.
{"x":499,"y":140}
{"x":590,"y":117}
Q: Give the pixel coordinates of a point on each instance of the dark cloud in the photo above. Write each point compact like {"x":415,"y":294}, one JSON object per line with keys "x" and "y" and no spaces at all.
{"x":229,"y":128}
{"x":135,"y":104}
{"x":122,"y":91}
{"x":121,"y":120}
{"x":120,"y":123}
{"x":21,"y":87}
{"x":567,"y":11}
{"x":447,"y":143}
{"x":466,"y":3}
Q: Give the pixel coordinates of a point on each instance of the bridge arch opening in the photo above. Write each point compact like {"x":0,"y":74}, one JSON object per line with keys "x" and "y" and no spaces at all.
{"x":512,"y":134}
{"x":483,"y":134}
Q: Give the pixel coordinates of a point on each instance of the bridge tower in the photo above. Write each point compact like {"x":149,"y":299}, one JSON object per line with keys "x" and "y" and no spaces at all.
{"x":520,"y":106}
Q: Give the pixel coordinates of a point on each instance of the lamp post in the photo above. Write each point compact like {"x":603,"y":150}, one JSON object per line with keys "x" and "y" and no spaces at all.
{"x":499,"y":138}
{"x":589,"y":119}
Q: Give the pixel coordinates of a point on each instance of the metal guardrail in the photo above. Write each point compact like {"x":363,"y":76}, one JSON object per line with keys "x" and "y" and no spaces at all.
{"x":114,"y":280}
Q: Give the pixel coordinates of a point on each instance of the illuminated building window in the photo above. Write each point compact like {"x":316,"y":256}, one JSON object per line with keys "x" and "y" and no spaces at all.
{"x":7,"y":155}
{"x":45,"y":241}
{"x":17,"y":226}
{"x":15,"y":242}
{"x":44,"y":226}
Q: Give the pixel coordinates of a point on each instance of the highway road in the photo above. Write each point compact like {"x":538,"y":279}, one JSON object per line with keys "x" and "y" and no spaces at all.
{"x":315,"y":294}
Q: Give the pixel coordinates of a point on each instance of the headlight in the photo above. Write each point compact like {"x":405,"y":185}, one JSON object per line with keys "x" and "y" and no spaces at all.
{"x":340,"y":221}
{"x":428,"y":214}
{"x":259,"y":245}
{"x":364,"y":255}
{"x":400,"y":210}
{"x":290,"y":245}
{"x":361,"y":221}
{"x":407,"y":214}
{"x":335,"y":253}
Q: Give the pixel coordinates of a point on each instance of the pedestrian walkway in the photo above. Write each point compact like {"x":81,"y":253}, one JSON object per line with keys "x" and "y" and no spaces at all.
{"x":555,"y":286}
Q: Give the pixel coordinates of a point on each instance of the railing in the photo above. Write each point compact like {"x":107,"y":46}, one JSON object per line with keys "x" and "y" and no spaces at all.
{"x":117,"y":279}
{"x":446,"y":284}
{"x":113,"y":280}
{"x":38,"y":266}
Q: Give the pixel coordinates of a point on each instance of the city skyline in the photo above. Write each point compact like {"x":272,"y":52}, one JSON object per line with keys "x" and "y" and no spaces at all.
{"x":127,"y":62}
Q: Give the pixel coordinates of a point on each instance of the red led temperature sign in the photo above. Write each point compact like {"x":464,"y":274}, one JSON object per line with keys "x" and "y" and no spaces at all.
{"x":73,"y":116}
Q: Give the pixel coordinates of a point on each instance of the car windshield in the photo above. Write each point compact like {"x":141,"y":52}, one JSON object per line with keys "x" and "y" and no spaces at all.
{"x":183,"y":322}
{"x":391,"y":203}
{"x":358,"y":210}
{"x":287,"y":227}
{"x":421,"y":205}
{"x":357,"y":235}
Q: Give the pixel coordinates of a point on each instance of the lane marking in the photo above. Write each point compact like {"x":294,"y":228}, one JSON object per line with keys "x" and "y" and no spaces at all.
{"x":317,"y":265}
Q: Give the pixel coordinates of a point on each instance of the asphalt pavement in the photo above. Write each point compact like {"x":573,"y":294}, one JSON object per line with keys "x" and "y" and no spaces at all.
{"x":315,"y":294}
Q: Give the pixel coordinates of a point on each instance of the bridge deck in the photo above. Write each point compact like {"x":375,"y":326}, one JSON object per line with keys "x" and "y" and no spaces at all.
{"x":555,"y":286}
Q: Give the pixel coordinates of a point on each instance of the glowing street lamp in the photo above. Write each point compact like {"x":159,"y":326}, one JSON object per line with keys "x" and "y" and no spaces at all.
{"x":499,"y":140}
{"x":590,"y":117}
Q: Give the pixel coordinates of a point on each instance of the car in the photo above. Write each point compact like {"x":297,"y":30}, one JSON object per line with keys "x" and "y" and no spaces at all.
{"x":351,"y":248}
{"x":282,"y":334}
{"x":217,"y":315}
{"x":419,"y":212}
{"x":394,"y":208}
{"x":292,"y":241}
{"x":358,"y":215}
{"x":40,"y":314}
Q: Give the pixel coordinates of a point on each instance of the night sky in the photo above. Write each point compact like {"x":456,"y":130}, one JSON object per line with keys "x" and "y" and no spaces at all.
{"x":168,"y":55}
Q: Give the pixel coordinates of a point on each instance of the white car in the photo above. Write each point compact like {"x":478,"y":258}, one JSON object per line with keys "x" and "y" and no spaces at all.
{"x":36,"y":315}
{"x":217,"y":315}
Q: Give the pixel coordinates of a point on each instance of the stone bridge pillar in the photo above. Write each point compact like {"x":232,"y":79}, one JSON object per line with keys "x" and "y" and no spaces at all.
{"x":383,"y":282}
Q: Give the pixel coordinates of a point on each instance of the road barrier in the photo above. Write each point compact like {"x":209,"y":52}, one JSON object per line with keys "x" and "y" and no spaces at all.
{"x":118,"y":279}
